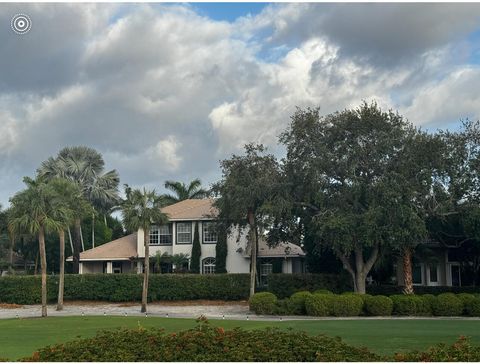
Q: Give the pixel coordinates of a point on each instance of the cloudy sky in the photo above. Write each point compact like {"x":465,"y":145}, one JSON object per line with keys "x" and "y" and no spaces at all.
{"x":166,"y":91}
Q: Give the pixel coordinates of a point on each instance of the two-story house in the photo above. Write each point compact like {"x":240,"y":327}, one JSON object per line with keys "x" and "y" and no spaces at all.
{"x":126,"y":255}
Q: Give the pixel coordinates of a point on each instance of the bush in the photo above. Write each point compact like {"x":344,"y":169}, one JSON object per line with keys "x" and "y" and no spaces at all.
{"x":474,"y":309}
{"x":424,"y":305}
{"x":390,"y":289}
{"x":297,"y":301}
{"x":447,"y":304}
{"x":322,"y":291}
{"x":347,"y":305}
{"x":284,"y":285}
{"x":319,"y":304}
{"x":204,"y":343}
{"x":284,"y":307}
{"x":127,"y":287}
{"x":263,"y":303}
{"x":404,"y":305}
{"x":378,"y":306}
{"x":461,"y":351}
{"x":467,"y":300}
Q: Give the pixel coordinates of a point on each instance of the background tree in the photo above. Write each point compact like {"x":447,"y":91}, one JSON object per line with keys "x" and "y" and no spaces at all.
{"x":196,"y":251}
{"x":183,"y":192}
{"x":140,"y":210}
{"x":84,"y":166}
{"x":249,"y":187}
{"x":221,"y":251}
{"x":36,"y":210}
{"x":345,"y":176}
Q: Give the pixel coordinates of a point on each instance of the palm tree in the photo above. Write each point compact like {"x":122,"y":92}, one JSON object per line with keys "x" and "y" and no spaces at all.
{"x":84,"y":166}
{"x":183,"y":192}
{"x":72,"y":198}
{"x":140,"y":210}
{"x":36,"y":210}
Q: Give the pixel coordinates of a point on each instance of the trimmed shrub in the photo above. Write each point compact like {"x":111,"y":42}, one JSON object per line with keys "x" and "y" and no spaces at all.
{"x":322,"y":291}
{"x":127,"y":287}
{"x":263,"y":303}
{"x":378,"y":306}
{"x":319,"y":304}
{"x":404,"y":305}
{"x":297,"y":301}
{"x":390,"y":289}
{"x":467,"y":300}
{"x":204,"y":343}
{"x":284,"y":307}
{"x":447,"y":304}
{"x":474,"y":308}
{"x":423,"y":305}
{"x":284,"y":285}
{"x":347,"y":305}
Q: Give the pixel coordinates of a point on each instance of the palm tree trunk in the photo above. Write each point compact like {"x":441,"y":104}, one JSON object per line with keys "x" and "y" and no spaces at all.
{"x":93,"y":230}
{"x":253,"y":254}
{"x":61,"y":281}
{"x":407,"y":270}
{"x":70,"y":238}
{"x":12,"y":245}
{"x":77,"y":245}
{"x":146,"y":269}
{"x":81,"y":239}
{"x":43,"y":263}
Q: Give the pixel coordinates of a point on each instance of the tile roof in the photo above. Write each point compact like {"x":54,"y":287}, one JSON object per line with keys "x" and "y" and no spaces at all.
{"x":122,"y":248}
{"x":193,"y":209}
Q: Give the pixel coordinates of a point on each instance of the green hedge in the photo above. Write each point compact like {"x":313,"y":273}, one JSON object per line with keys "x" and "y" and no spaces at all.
{"x":378,"y":306}
{"x":319,"y":304}
{"x":127,"y":287}
{"x":263,"y":303}
{"x":388,"y":290}
{"x":284,"y":285}
{"x":447,"y":304}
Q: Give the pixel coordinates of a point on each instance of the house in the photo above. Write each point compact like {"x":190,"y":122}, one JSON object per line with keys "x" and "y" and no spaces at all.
{"x":126,"y":255}
{"x":439,"y":265}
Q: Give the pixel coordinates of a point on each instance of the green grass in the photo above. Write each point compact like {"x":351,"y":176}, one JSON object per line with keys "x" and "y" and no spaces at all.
{"x":20,"y":337}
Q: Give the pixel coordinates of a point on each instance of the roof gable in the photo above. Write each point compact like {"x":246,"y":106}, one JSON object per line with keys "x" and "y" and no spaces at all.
{"x":192,"y":209}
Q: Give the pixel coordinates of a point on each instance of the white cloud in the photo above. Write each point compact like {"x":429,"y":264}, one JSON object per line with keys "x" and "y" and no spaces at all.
{"x":165,"y":152}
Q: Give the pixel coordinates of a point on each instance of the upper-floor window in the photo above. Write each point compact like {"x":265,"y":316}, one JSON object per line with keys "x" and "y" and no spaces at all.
{"x":161,"y":235}
{"x":209,"y":233}
{"x":184,"y":232}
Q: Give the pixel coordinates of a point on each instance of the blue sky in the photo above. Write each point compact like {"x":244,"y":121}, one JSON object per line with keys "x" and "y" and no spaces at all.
{"x":229,"y":11}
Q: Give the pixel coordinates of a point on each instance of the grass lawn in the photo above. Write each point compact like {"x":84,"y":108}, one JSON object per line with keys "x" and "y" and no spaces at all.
{"x":20,"y":337}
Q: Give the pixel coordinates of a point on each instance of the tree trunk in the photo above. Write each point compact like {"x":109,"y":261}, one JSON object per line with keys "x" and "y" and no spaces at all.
{"x":93,"y":230}
{"x":146,"y":270}
{"x":77,"y":245}
{"x":359,"y":271}
{"x":407,"y":270}
{"x":12,"y":245}
{"x":43,"y":263}
{"x":81,"y":239}
{"x":70,"y":239}
{"x":37,"y":258}
{"x":253,"y":253}
{"x":61,"y":281}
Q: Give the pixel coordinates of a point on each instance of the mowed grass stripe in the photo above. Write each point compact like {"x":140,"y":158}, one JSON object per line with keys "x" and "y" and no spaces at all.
{"x":21,"y":337}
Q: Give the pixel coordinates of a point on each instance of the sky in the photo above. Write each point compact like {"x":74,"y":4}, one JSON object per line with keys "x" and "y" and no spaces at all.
{"x":165,"y":91}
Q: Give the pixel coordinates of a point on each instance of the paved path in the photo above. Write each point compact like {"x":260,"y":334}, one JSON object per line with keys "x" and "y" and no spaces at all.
{"x":232,"y":311}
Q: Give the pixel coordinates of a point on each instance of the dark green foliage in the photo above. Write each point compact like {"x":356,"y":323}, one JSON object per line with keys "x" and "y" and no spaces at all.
{"x":461,"y":351}
{"x":322,"y":291}
{"x":127,"y":287}
{"x":297,"y":302}
{"x":204,"y":344}
{"x":474,"y":308}
{"x":347,"y":305}
{"x":263,"y":303}
{"x":284,"y":285}
{"x":447,"y":304}
{"x":319,"y":304}
{"x":468,"y":300}
{"x":221,"y":251}
{"x":196,"y":251}
{"x":404,"y":305}
{"x":388,"y":290}
{"x":378,"y":306}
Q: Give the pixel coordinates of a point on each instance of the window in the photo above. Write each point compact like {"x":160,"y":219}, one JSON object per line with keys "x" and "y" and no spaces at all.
{"x":208,"y":266}
{"x":184,"y":233}
{"x":117,"y":267}
{"x":417,"y":274}
{"x":209,"y":233}
{"x":161,"y":235}
{"x":433,"y":273}
{"x":265,"y":270}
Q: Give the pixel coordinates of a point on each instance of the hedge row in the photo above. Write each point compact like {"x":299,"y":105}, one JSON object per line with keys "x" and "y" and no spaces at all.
{"x":284,"y":285}
{"x":388,"y":290}
{"x":126,"y":287}
{"x":348,"y":304}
